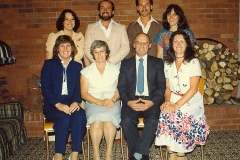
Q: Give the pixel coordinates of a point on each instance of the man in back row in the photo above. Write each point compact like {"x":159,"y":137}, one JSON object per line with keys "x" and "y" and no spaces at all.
{"x":144,"y":24}
{"x":108,"y":30}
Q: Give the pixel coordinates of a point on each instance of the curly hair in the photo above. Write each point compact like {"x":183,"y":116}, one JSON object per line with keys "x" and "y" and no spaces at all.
{"x":189,"y":53}
{"x":182,"y":22}
{"x":61,"y":19}
{"x":64,"y":39}
{"x":98,"y":44}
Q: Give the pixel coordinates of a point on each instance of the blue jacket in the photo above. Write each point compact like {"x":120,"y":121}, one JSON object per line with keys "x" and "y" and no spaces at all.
{"x":52,"y":78}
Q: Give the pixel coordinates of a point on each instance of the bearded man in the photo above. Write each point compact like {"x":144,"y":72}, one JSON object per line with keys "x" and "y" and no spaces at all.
{"x":106,"y":29}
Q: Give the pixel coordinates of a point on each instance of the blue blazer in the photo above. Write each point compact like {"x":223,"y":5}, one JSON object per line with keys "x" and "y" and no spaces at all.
{"x":52,"y":78}
{"x":155,"y":77}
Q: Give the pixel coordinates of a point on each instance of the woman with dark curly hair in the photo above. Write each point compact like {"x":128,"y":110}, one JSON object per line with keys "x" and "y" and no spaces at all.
{"x":182,"y":123}
{"x":67,"y":24}
{"x":173,"y":19}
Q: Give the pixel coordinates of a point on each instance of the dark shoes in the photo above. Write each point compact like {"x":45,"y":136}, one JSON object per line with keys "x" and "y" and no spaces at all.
{"x":132,"y":158}
{"x":144,"y":157}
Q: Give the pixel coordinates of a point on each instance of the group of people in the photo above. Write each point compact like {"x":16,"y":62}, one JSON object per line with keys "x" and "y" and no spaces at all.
{"x":150,"y":69}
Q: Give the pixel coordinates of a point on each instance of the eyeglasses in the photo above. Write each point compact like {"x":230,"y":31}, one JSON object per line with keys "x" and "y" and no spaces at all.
{"x":141,"y":43}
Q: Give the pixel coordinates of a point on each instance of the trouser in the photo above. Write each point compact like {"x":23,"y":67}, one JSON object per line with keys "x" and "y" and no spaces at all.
{"x":129,"y":120}
{"x":63,"y":123}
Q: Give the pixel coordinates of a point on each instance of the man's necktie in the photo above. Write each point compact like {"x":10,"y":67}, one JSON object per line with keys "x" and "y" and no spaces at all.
{"x":140,"y":78}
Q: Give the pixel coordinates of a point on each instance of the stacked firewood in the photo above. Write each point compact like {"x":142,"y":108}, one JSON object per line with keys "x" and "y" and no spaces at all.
{"x":219,"y":69}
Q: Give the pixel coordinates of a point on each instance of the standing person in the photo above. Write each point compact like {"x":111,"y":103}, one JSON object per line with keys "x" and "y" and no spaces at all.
{"x":67,"y":24}
{"x":141,"y":96}
{"x":60,"y":85}
{"x":144,"y":24}
{"x":182,"y":123}
{"x":173,"y":19}
{"x":99,"y":89}
{"x":108,"y":30}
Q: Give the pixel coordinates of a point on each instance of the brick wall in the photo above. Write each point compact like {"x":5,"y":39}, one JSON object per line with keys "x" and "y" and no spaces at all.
{"x":25,"y":25}
{"x":219,"y":117}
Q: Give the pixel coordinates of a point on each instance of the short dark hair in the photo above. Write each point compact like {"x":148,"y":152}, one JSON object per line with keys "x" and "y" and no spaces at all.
{"x":182,"y":23}
{"x":98,"y":44}
{"x":99,"y":4}
{"x":64,"y":39}
{"x":137,"y":3}
{"x":189,"y":53}
{"x":61,"y":19}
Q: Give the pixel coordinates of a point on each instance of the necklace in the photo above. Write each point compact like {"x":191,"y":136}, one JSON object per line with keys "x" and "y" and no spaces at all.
{"x":179,"y":57}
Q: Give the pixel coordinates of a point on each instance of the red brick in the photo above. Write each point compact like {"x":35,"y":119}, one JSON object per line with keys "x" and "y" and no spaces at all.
{"x":222,"y":122}
{"x":215,"y":128}
{"x":235,"y":121}
{"x":230,"y":127}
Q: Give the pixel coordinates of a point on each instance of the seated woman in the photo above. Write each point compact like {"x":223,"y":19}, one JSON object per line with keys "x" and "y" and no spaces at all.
{"x":99,"y":89}
{"x":60,"y":82}
{"x":182,"y":123}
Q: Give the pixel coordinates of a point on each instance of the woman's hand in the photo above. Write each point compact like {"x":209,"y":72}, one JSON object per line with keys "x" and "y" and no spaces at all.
{"x":165,"y":104}
{"x":169,"y":108}
{"x":108,"y":103}
{"x":64,"y":108}
{"x":74,"y":106}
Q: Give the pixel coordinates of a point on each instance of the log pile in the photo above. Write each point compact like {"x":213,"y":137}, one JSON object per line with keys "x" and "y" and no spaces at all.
{"x":219,"y":69}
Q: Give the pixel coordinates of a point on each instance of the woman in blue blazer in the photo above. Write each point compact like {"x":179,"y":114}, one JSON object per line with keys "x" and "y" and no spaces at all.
{"x":60,"y":81}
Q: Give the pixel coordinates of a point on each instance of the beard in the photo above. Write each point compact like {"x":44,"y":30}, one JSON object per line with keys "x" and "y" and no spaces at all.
{"x":105,"y":16}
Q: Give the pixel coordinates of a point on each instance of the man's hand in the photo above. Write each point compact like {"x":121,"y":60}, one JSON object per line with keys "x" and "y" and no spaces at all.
{"x":140,"y":104}
{"x":146,"y":104}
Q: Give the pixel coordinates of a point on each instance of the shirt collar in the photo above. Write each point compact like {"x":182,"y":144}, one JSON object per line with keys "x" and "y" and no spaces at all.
{"x":151,"y":20}
{"x":144,"y":57}
{"x":62,"y":61}
{"x":98,"y":23}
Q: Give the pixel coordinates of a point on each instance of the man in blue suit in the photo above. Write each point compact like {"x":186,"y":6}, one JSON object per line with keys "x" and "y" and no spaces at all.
{"x":141,"y":85}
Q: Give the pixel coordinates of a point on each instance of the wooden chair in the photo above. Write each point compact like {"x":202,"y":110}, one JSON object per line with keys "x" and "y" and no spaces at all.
{"x":48,"y":128}
{"x":141,"y":125}
{"x":88,"y":142}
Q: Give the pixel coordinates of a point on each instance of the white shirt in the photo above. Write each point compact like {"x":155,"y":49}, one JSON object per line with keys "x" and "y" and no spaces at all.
{"x":64,"y":83}
{"x":145,"y":92}
{"x":146,"y":29}
{"x":109,"y":29}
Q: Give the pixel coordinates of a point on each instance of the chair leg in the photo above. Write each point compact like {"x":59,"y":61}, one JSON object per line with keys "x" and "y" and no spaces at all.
{"x":121,"y":132}
{"x":127,"y":152}
{"x":47,"y":147}
{"x":161,"y":153}
{"x":202,"y":152}
{"x":83,"y":151}
{"x":88,"y":144}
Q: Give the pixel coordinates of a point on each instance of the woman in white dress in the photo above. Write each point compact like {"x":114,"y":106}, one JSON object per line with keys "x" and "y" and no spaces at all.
{"x":182,"y":123}
{"x":99,"y":89}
